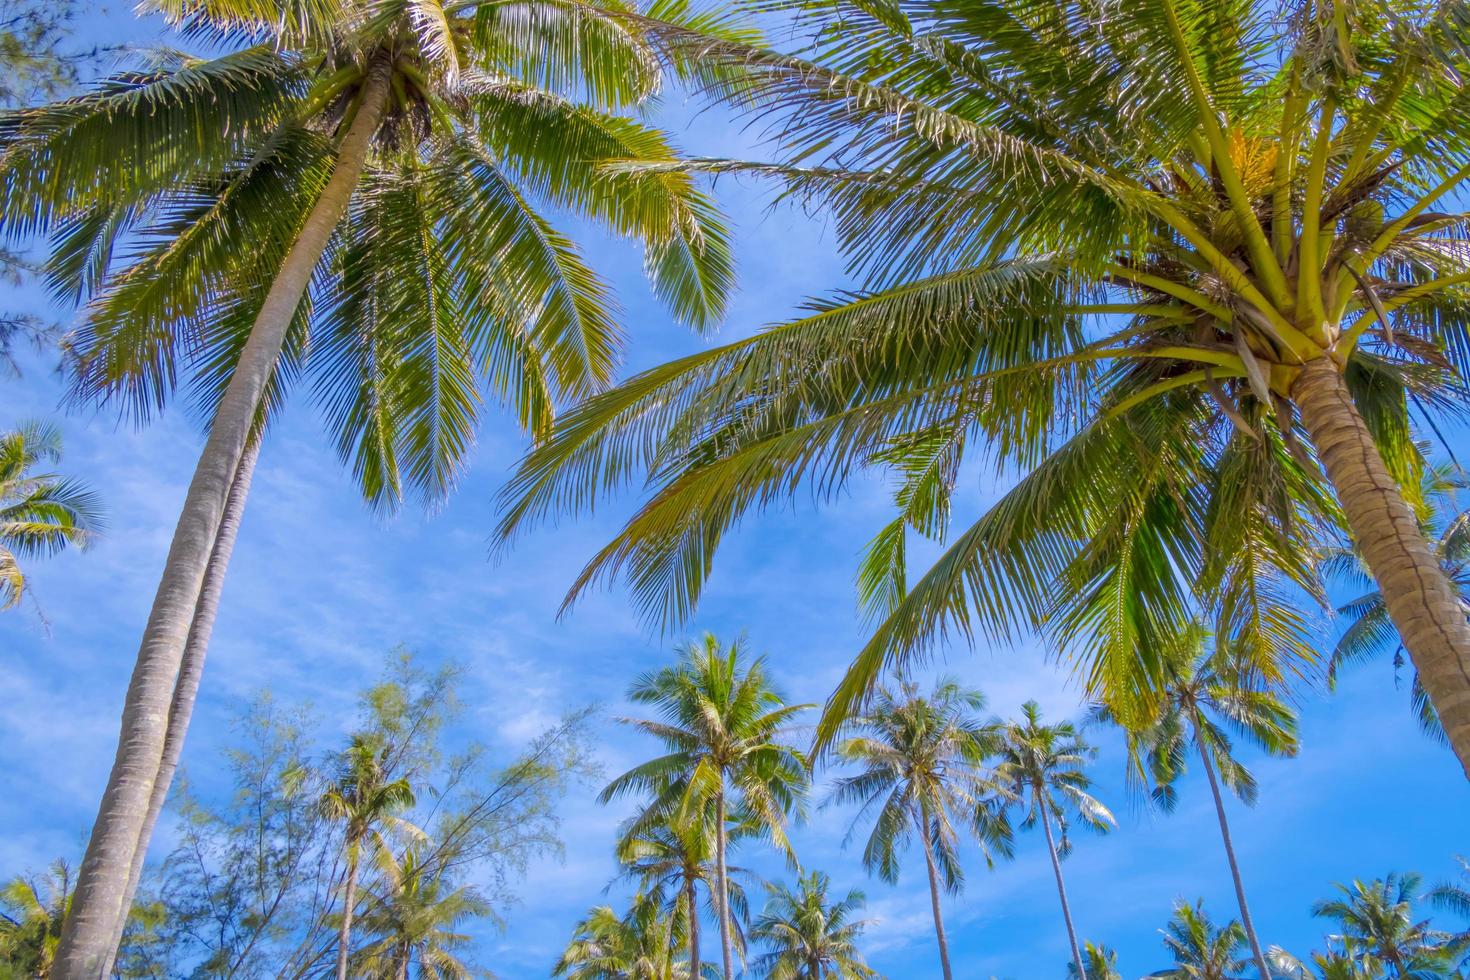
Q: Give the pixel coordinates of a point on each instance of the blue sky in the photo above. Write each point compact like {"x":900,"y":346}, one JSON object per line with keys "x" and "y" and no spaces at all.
{"x":320,"y":589}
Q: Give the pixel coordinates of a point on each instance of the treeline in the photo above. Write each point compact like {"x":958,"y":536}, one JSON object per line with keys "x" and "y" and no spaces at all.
{"x":388,"y":853}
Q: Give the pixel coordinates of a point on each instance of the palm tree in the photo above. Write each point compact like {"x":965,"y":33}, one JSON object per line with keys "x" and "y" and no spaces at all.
{"x":1210,"y":689}
{"x":1178,"y":262}
{"x":722,"y":723}
{"x":923,"y":764}
{"x":1367,"y":628}
{"x":40,"y":513}
{"x":1044,"y":767}
{"x":1376,"y":929}
{"x":672,"y":858}
{"x":1101,"y":963}
{"x":810,"y":938}
{"x":356,"y":195}
{"x":365,"y":800}
{"x":416,"y":916}
{"x":1201,"y":951}
{"x":31,"y":916}
{"x":1331,"y":965}
{"x":638,"y":946}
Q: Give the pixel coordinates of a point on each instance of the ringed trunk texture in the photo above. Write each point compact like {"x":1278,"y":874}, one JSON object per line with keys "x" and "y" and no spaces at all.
{"x":186,"y":691}
{"x":722,"y":903}
{"x":349,"y":899}
{"x":1422,"y":603}
{"x":934,"y":901}
{"x":1056,"y":867}
{"x":1245,"y":912}
{"x":100,"y":903}
{"x":693,"y":900}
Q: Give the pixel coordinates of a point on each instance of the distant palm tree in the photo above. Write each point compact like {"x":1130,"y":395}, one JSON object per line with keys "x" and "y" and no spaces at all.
{"x":1377,"y":930}
{"x":1201,"y":951}
{"x":672,"y":858}
{"x":415,"y":916}
{"x":1101,"y":962}
{"x":1368,"y":630}
{"x":1208,"y":689}
{"x":366,"y":800}
{"x":31,"y":915}
{"x":1331,"y":965}
{"x":40,"y":512}
{"x":637,"y":946}
{"x":923,"y":760}
{"x":1044,"y":767}
{"x":723,"y":725}
{"x":810,"y":938}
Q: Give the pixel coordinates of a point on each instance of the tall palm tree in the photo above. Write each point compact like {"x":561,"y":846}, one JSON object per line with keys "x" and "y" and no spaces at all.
{"x":388,"y":167}
{"x":1376,"y":929}
{"x":1200,"y":950}
{"x":723,"y":725}
{"x":1044,"y":766}
{"x":637,"y":946}
{"x":923,"y":761}
{"x":1100,"y":961}
{"x":366,"y":801}
{"x":1211,"y":690}
{"x":809,"y":937}
{"x":40,"y":512}
{"x":1368,"y":630}
{"x":415,"y":915}
{"x":1179,"y":262}
{"x":31,"y":915}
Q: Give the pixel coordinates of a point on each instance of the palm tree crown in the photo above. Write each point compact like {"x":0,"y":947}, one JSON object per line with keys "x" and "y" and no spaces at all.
{"x":1377,"y":931}
{"x":638,"y":946}
{"x":810,"y":937}
{"x":40,"y":513}
{"x":1200,"y":950}
{"x":415,"y":916}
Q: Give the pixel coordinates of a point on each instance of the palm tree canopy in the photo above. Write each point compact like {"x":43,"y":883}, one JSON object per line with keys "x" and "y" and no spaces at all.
{"x":638,"y":946}
{"x":723,"y":726}
{"x":40,"y":512}
{"x":809,"y":936}
{"x":1100,"y":961}
{"x":416,"y":915}
{"x":362,"y":796}
{"x":1102,"y":242}
{"x":1377,"y":930}
{"x":445,"y":279}
{"x":923,"y":759}
{"x":1045,"y":766}
{"x":1200,"y":950}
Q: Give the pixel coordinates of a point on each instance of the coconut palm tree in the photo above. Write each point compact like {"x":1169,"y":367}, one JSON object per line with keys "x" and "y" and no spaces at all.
{"x":723,"y":725}
{"x":637,"y":946}
{"x":809,"y":937}
{"x":1376,"y":929}
{"x":41,"y":513}
{"x":355,"y":194}
{"x":1101,"y":963}
{"x":1210,"y":691}
{"x":31,"y":915}
{"x":1368,"y":631}
{"x":923,"y":770}
{"x":1200,"y":950}
{"x":415,"y":915}
{"x":1177,"y":262}
{"x":1044,"y":766}
{"x":366,"y":801}
{"x":1319,"y":966}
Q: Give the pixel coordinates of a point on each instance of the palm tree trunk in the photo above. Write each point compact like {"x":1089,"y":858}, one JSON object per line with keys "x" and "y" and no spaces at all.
{"x":1245,"y":912}
{"x":1056,"y":867}
{"x":404,"y":964}
{"x":349,"y":900}
{"x":722,"y":903}
{"x":1420,"y":598}
{"x":934,"y":894}
{"x":693,"y":900}
{"x":190,"y":671}
{"x":102,"y":884}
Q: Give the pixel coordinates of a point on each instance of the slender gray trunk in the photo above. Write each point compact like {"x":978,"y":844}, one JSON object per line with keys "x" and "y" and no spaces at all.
{"x":934,"y":901}
{"x":100,"y":904}
{"x":1422,"y":602}
{"x":693,"y":899}
{"x":186,"y":691}
{"x":349,"y":901}
{"x":722,"y":903}
{"x":1056,"y":867}
{"x":1245,"y":912}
